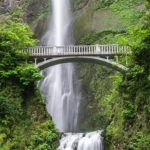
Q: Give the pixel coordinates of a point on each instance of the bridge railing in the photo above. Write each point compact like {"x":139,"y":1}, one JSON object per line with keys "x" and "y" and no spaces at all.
{"x":76,"y":50}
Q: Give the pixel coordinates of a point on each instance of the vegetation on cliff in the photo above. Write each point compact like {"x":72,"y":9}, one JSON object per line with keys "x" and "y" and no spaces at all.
{"x":130,"y":126}
{"x":120,"y":103}
{"x":102,"y":15}
{"x":24,"y":121}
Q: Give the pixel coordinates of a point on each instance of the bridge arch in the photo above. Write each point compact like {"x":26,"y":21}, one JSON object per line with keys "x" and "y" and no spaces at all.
{"x":87,"y":59}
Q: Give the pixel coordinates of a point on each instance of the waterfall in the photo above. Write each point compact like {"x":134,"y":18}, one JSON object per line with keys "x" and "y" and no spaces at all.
{"x":60,"y":86}
{"x":63,"y":101}
{"x":81,"y":141}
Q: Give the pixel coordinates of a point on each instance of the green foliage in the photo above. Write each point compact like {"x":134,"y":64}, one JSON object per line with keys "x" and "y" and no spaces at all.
{"x":28,"y":73}
{"x":124,"y":111}
{"x":130,"y":16}
{"x":23,"y":118}
{"x":8,"y":108}
{"x":101,"y":37}
{"x":139,"y":141}
{"x":134,"y":92}
{"x":16,"y":13}
{"x":127,"y":11}
{"x":15,"y":36}
{"x":129,"y":112}
{"x":5,"y":106}
{"x":102,"y":3}
{"x":96,"y":103}
{"x":120,"y":5}
{"x":31,"y":129}
{"x":89,"y":38}
{"x":43,"y":139}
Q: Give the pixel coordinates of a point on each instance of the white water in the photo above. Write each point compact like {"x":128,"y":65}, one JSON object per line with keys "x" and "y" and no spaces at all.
{"x":61,"y":91}
{"x":81,"y":141}
{"x":63,"y":99}
{"x":58,"y":32}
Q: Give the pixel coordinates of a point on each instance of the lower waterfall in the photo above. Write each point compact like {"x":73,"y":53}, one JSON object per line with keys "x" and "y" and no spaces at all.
{"x":62,"y":97}
{"x":81,"y":141}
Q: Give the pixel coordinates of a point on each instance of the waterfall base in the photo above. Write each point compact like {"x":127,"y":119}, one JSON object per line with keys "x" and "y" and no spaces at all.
{"x":81,"y":141}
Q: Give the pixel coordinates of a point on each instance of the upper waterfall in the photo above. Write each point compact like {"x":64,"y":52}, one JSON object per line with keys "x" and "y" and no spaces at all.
{"x":63,"y":97}
{"x":59,"y":25}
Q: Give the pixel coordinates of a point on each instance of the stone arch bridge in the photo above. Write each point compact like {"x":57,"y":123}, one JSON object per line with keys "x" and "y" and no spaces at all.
{"x":45,"y":56}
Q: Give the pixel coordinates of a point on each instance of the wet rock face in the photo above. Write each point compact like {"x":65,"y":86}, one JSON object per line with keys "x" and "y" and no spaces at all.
{"x":37,"y":8}
{"x":3,"y":6}
{"x":79,"y":4}
{"x":7,"y":5}
{"x":34,"y":12}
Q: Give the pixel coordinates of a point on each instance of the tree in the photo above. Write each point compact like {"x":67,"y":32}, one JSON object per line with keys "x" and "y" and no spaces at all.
{"x":16,"y":36}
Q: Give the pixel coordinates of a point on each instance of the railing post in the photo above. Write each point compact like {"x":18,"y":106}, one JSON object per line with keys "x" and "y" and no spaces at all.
{"x":107,"y":57}
{"x":44,"y":50}
{"x":54,"y":50}
{"x":97,"y":49}
{"x":37,"y":51}
{"x":110,"y":49}
{"x":48,"y":50}
{"x":117,"y":48}
{"x":103,"y":49}
{"x":35,"y":61}
{"x":32,"y":51}
{"x":107,"y":47}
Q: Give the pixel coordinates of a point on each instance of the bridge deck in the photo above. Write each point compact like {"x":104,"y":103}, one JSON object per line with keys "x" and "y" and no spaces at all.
{"x":71,"y":50}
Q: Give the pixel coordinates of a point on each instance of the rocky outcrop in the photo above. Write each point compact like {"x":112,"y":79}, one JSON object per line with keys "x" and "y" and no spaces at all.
{"x":8,"y":5}
{"x":79,"y":4}
{"x":88,"y":17}
{"x":36,"y":15}
{"x":34,"y":12}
